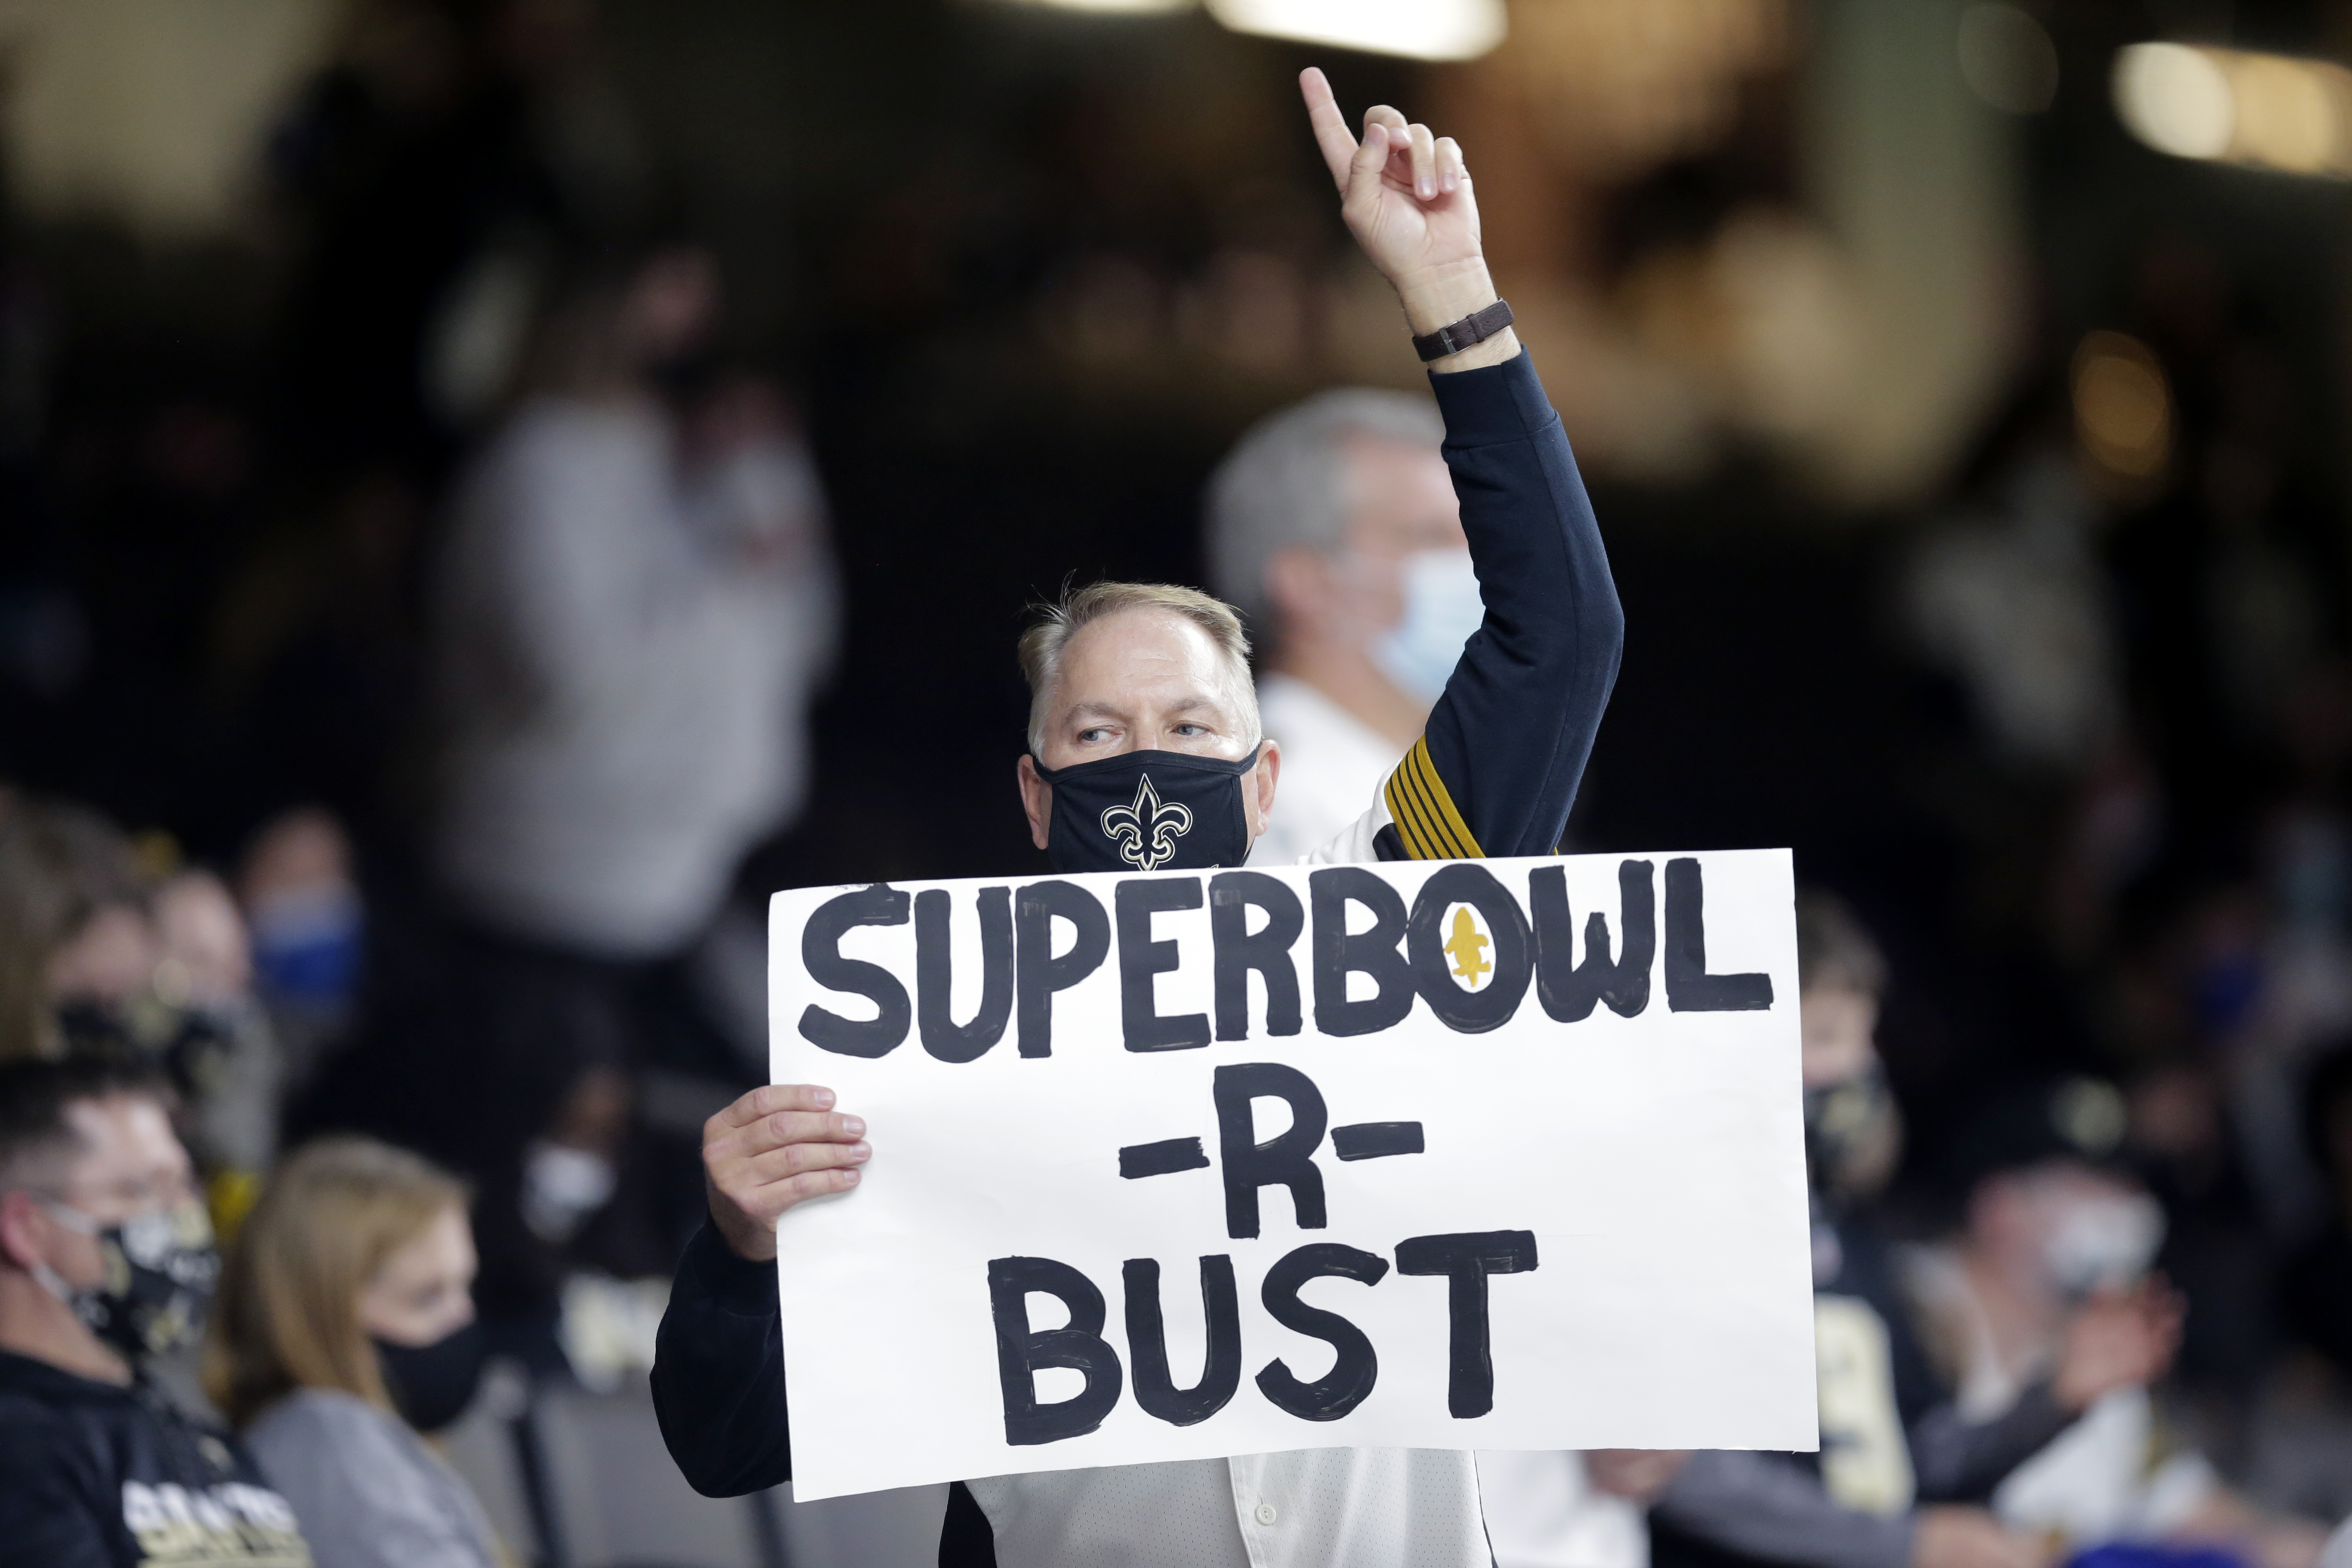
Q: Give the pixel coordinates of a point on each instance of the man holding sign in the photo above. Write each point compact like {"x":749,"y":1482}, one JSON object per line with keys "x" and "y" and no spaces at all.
{"x":910,"y":1315}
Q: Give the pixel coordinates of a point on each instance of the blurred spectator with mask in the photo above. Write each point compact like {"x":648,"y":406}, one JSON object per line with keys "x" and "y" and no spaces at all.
{"x":106,"y":1263}
{"x":98,"y":957}
{"x":637,"y":605}
{"x":1902,"y":1472}
{"x":76,"y":937}
{"x":345,"y":1329}
{"x":1334,"y":528}
{"x":302,"y":903}
{"x":2057,"y":1239}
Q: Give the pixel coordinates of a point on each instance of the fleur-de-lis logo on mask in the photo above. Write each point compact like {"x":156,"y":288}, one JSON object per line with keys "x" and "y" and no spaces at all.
{"x":1147,"y":830}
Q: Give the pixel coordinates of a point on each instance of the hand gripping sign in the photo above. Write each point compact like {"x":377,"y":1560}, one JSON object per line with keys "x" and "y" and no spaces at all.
{"x":1491,"y":1153}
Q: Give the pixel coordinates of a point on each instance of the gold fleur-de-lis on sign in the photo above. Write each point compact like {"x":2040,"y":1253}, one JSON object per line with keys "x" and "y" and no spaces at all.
{"x":1467,"y":949}
{"x":1146,"y":831}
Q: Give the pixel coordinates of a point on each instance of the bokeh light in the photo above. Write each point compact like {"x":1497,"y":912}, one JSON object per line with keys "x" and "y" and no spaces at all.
{"x":2262,"y":111}
{"x":2123,"y":408}
{"x":2007,"y":58}
{"x":1419,"y":29}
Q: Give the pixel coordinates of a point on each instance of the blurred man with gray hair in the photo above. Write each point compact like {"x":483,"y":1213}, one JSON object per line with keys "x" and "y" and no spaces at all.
{"x":1334,"y":528}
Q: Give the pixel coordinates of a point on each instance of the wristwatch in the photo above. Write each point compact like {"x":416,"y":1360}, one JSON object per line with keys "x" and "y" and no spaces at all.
{"x":1455,"y":336}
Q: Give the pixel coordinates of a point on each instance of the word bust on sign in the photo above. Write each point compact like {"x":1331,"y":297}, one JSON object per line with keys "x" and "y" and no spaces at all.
{"x":1335,"y":1016}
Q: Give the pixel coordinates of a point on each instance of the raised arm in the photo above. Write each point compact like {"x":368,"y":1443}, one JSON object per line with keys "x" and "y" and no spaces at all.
{"x":1497,"y":766}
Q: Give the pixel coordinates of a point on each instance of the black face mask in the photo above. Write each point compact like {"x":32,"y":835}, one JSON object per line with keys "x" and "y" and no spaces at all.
{"x":1847,"y":1126}
{"x":160,"y":1269}
{"x":432,"y":1384}
{"x":1148,"y":811}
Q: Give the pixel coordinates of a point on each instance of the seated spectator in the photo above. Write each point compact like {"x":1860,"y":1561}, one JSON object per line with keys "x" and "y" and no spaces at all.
{"x":97,"y":956}
{"x":226,"y":1059}
{"x":346,"y":1328}
{"x":300,"y":896}
{"x":2056,"y":1234}
{"x":106,"y":1262}
{"x":76,"y":935}
{"x":1902,"y":1473}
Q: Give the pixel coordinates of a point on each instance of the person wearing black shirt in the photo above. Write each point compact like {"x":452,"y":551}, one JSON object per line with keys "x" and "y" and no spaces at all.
{"x":105,"y":1261}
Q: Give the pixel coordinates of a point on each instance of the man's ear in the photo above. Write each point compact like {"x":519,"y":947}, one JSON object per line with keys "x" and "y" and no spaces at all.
{"x":1257,"y":789}
{"x":21,"y":1229}
{"x":1037,"y":799}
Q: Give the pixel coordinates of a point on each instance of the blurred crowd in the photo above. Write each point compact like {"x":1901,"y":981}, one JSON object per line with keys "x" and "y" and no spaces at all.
{"x":403,"y":730}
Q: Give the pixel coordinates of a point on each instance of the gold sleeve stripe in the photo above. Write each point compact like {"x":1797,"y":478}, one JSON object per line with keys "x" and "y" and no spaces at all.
{"x":1426,"y":822}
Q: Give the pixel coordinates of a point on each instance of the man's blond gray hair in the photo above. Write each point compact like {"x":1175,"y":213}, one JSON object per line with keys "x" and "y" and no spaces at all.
{"x":1285,"y":483}
{"x":1042,"y":644}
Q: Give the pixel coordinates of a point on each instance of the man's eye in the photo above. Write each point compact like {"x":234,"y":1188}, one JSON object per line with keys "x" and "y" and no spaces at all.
{"x":1189,"y":729}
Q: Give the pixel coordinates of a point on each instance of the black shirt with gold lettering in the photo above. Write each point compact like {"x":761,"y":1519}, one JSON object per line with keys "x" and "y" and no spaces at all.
{"x":93,"y":1475}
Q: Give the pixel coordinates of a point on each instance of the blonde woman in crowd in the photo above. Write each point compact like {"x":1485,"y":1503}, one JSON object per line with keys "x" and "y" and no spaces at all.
{"x":345,"y":1328}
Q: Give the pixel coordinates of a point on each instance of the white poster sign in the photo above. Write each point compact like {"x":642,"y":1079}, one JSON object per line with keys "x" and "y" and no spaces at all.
{"x":1470,"y":1154}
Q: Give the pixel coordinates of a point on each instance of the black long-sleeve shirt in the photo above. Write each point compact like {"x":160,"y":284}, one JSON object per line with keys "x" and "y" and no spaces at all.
{"x":1495,"y":774}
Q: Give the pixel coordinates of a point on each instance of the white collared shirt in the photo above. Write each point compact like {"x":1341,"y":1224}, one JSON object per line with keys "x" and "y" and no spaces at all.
{"x":1310,"y":1508}
{"x":1333,"y":765}
{"x":1543,"y":1512}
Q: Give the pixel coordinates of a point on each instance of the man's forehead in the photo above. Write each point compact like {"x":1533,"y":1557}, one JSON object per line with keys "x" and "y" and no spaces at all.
{"x":120,"y":1133}
{"x":1106,"y":659}
{"x":1143,"y":628}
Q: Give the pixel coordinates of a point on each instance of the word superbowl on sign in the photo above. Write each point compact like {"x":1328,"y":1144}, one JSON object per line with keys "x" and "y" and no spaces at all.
{"x":1494,"y":1155}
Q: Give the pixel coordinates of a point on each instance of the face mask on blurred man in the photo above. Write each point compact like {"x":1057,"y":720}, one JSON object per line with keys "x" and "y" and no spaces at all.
{"x":158,"y":1283}
{"x":1853,"y":1132}
{"x":2107,"y":1243}
{"x":1441,"y":609}
{"x":306,"y":943}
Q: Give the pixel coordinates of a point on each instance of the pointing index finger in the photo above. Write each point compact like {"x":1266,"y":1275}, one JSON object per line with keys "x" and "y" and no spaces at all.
{"x":1331,"y":132}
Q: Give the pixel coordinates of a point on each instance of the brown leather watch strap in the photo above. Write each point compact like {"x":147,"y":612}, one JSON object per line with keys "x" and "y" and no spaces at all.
{"x":1455,"y":336}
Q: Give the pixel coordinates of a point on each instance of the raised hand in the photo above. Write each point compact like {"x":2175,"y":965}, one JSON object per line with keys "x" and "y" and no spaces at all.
{"x":2118,"y":1339}
{"x":779,"y":1146}
{"x":1406,"y":197}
